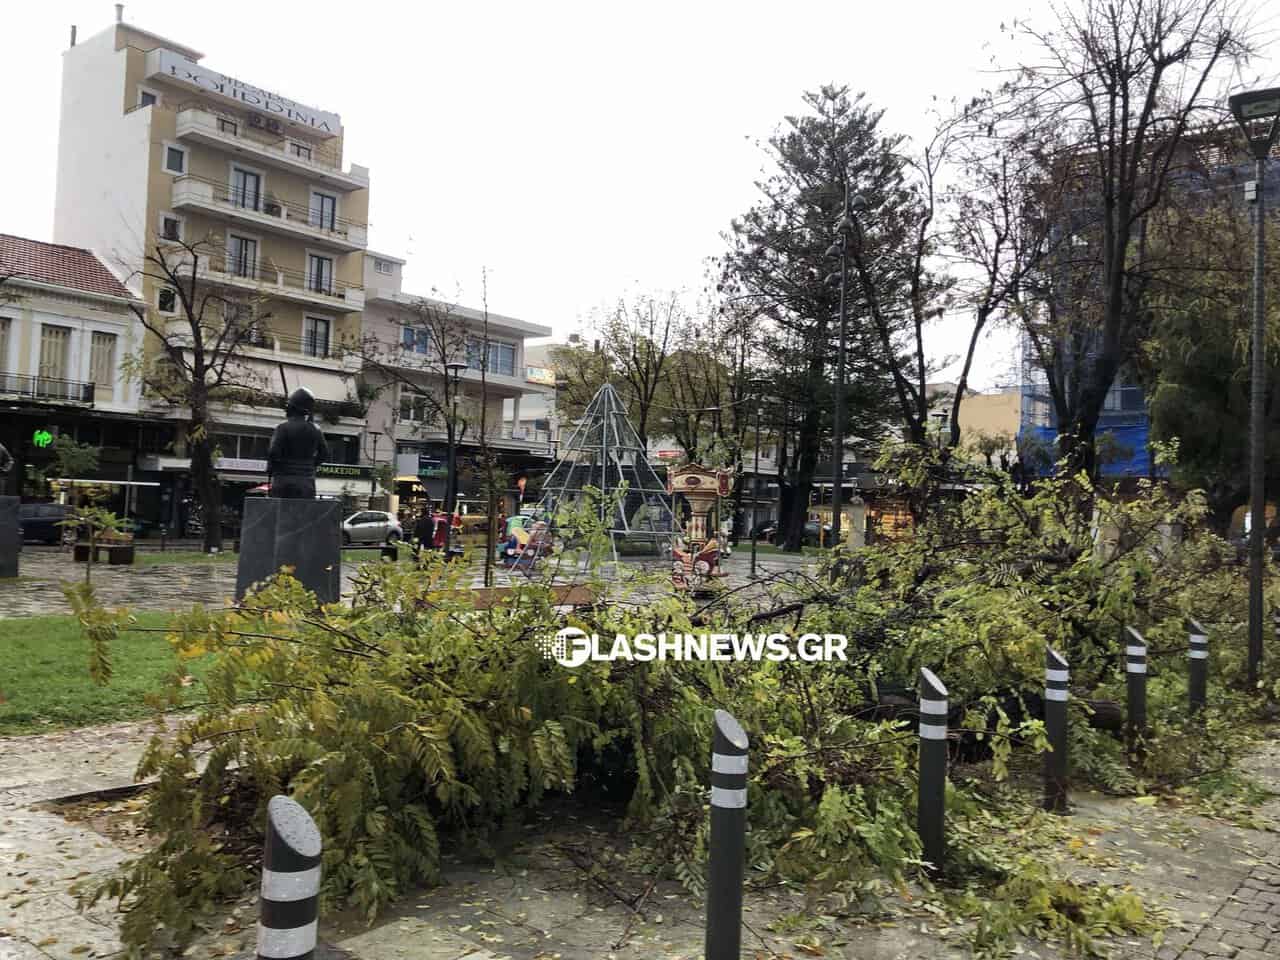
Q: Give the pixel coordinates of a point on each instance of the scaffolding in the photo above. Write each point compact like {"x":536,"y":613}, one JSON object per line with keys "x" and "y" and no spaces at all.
{"x":604,"y":453}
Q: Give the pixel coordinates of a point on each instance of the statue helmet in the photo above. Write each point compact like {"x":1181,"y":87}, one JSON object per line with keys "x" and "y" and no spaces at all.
{"x":302,"y":401}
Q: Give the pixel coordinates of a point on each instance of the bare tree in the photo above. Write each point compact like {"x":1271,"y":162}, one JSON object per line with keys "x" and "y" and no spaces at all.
{"x":199,"y":363}
{"x":1109,"y":98}
{"x":432,"y":336}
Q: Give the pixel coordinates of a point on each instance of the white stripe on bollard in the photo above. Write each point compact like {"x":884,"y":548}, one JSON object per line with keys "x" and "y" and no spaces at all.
{"x":728,"y":799}
{"x":933,"y":731}
{"x":933,"y":706}
{"x":726,"y":763}
{"x":1134,"y":651}
{"x":1135,"y":668}
{"x":289,"y":887}
{"x":1061,"y":676}
{"x":286,"y":943}
{"x":1055,"y":695}
{"x":1197,"y":654}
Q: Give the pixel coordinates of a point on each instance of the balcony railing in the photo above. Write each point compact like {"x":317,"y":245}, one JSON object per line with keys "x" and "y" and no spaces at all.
{"x":199,"y":115}
{"x":321,"y":284}
{"x":261,"y":205}
{"x":45,"y":388}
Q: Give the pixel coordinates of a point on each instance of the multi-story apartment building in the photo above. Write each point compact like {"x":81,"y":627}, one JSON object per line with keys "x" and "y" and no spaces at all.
{"x":66,"y":324}
{"x":406,"y":384}
{"x":158,"y":152}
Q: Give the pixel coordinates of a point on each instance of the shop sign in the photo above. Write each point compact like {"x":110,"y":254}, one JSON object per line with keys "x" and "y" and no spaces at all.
{"x":668,"y":454}
{"x":237,"y":465}
{"x":41,"y":438}
{"x":348,"y":471}
{"x":543,"y":375}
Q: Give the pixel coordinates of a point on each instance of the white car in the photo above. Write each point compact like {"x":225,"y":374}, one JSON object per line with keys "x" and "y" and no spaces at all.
{"x":371,"y":526}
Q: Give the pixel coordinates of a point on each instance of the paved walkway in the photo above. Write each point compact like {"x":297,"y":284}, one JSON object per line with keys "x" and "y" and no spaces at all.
{"x":1222,"y":881}
{"x":38,"y":589}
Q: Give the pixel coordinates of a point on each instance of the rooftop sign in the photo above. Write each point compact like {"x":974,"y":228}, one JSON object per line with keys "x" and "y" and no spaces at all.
{"x":177,"y":67}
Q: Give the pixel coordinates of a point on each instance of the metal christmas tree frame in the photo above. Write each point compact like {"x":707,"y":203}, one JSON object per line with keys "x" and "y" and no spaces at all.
{"x":605,"y":453}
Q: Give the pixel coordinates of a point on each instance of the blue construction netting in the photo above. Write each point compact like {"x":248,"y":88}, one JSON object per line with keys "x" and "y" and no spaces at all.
{"x":1128,"y":447}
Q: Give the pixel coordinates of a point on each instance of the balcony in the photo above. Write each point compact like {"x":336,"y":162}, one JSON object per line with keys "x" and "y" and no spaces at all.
{"x":314,"y":161}
{"x":265,"y":212}
{"x":46,"y":389}
{"x":295,"y":286}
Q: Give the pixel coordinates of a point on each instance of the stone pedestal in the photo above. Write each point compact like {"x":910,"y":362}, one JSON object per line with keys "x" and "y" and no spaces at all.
{"x":858,"y":522}
{"x":10,"y":537}
{"x":303,"y":534}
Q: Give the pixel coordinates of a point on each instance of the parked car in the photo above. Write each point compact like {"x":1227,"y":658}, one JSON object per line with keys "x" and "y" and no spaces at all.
{"x":371,"y":526}
{"x":764,"y":531}
{"x":41,"y":521}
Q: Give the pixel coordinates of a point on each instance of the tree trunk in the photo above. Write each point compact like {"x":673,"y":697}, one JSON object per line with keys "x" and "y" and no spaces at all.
{"x":205,"y":482}
{"x":798,"y":512}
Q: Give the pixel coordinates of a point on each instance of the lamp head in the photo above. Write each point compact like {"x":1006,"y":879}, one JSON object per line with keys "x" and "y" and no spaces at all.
{"x":1258,"y":114}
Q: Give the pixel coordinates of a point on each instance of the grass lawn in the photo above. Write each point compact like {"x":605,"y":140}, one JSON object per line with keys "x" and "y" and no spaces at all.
{"x":44,"y":674}
{"x":192,"y":558}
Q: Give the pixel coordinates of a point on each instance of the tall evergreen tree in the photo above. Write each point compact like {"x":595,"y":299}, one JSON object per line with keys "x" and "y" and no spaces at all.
{"x":779,"y":267}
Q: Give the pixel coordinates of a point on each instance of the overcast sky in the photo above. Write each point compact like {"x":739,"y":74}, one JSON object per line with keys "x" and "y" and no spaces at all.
{"x":578,"y":151}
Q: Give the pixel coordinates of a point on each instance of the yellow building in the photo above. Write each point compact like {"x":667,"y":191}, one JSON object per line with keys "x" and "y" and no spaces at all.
{"x":157,"y":150}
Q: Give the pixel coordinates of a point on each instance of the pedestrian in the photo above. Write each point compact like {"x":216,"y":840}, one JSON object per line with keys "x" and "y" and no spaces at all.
{"x":423,"y":528}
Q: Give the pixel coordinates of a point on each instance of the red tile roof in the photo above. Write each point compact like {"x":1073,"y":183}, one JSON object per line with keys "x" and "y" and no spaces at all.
{"x":54,"y":263}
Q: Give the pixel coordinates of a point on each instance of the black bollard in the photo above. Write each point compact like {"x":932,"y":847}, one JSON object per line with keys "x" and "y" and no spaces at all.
{"x":1197,"y":665}
{"x":728,"y":839}
{"x":290,"y":883}
{"x":1135,"y":670}
{"x":931,"y":802}
{"x":1056,"y":677}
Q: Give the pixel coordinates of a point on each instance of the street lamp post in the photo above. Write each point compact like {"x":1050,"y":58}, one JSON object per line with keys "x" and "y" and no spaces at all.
{"x":453,"y":374}
{"x":1258,"y":113}
{"x":841,"y":246}
{"x":373,"y":480}
{"x":755,"y":496}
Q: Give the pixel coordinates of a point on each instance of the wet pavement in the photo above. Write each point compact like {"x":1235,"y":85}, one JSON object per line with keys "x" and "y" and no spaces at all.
{"x":541,"y":899}
{"x":38,"y":589}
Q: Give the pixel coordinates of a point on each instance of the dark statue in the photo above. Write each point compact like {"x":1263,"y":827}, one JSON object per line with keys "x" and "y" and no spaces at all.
{"x":6,"y":464}
{"x":297,"y":448}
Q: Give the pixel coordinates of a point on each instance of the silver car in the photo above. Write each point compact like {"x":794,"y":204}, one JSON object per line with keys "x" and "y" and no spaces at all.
{"x":371,"y":526}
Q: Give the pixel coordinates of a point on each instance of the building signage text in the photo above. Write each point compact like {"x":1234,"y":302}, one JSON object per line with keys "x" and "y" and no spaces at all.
{"x":543,"y":375}
{"x":42,"y":438}
{"x":177,"y":67}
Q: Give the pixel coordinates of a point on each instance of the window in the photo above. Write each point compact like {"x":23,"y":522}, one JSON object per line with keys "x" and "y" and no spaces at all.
{"x":315,"y":339}
{"x":382,"y":266}
{"x":324,"y":211}
{"x":55,"y":343}
{"x":300,"y":151}
{"x":417,"y":340}
{"x":5,"y":323}
{"x":414,"y":407}
{"x":502,"y":356}
{"x":246,"y":188}
{"x":242,"y":256}
{"x":167,"y":300}
{"x":502,"y":359}
{"x":254,"y":447}
{"x":1112,"y":401}
{"x":320,"y":274}
{"x":170,"y":227}
{"x":175,"y":159}
{"x":228,"y":126}
{"x":102,"y":365}
{"x":146,"y":98}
